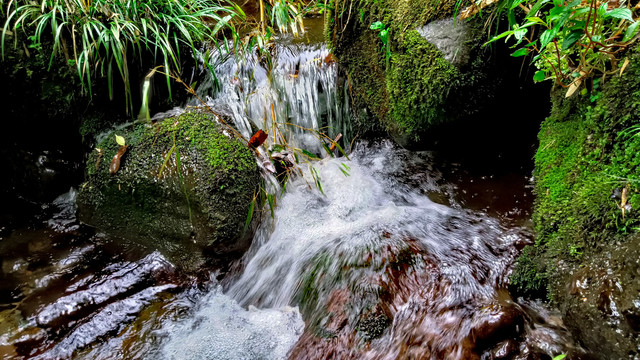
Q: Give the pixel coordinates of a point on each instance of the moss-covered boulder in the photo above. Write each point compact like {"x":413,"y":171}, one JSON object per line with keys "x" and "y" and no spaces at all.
{"x":587,"y":213}
{"x":196,"y":201}
{"x":431,"y":72}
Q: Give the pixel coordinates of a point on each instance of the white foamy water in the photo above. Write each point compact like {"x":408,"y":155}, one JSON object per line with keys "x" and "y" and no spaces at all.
{"x":222,"y":329}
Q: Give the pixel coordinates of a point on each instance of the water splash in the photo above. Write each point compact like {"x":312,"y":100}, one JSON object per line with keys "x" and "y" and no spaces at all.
{"x":222,"y":329}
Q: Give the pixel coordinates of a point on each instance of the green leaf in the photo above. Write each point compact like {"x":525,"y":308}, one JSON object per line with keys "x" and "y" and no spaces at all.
{"x":272,"y":205}
{"x":515,"y":4}
{"x":533,"y":20}
{"x":166,"y":161}
{"x":602,"y":9}
{"x":499,"y":36}
{"x":384,"y":35}
{"x":560,"y":357}
{"x":120,"y":140}
{"x":520,"y":34}
{"x":537,"y":6}
{"x":539,"y":76}
{"x":619,"y":13}
{"x":546,"y":37}
{"x":327,"y":149}
{"x":631,"y":31}
{"x":520,"y":52}
{"x":378,"y":25}
{"x":571,"y":39}
{"x":309,"y":154}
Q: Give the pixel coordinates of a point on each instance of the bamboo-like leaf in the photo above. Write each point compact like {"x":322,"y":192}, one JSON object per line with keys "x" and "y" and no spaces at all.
{"x":166,"y":160}
{"x":272,"y":206}
{"x":250,"y":213}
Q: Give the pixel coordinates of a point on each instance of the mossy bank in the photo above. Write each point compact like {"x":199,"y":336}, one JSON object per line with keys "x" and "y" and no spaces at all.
{"x":196,"y":201}
{"x":587,"y":213}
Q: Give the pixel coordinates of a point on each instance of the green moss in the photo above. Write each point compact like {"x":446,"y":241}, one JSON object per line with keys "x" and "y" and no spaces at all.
{"x":359,"y":51}
{"x":581,"y":167}
{"x":418,"y":83}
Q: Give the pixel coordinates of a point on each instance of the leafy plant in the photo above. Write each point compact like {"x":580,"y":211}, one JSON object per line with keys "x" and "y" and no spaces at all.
{"x":384,"y":36}
{"x":571,"y":40}
{"x":103,"y":37}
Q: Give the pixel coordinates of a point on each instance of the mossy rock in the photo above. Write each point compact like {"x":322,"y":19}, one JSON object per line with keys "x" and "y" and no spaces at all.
{"x":585,"y":257}
{"x":421,"y":88}
{"x":201,"y":208}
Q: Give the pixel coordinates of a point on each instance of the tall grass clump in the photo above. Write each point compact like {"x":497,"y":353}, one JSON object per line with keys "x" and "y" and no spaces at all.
{"x":102,"y":38}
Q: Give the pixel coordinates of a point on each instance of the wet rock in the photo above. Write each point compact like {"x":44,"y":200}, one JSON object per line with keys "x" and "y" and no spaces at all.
{"x":184,"y":211}
{"x":497,"y":322}
{"x":600,"y":300}
{"x":451,"y":37}
{"x":504,"y":349}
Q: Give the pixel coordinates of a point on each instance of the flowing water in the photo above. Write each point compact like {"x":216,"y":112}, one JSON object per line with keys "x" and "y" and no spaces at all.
{"x":403,"y":255}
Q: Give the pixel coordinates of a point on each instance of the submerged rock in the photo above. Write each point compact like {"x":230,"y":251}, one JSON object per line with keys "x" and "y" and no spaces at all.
{"x":196,"y":201}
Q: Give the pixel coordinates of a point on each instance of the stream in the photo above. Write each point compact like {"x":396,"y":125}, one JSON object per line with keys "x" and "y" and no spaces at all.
{"x":402,"y":255}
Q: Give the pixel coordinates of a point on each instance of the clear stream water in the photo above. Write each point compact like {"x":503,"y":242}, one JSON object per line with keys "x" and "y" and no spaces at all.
{"x":406,"y":256}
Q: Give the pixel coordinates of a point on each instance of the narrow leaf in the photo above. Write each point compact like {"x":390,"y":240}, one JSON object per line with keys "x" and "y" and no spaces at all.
{"x":250,"y":213}
{"x":624,"y":65}
{"x":166,"y":160}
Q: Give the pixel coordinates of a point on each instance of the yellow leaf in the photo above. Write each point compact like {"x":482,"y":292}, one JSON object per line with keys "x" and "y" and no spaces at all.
{"x":575,"y":85}
{"x":120,"y":140}
{"x":624,"y":65}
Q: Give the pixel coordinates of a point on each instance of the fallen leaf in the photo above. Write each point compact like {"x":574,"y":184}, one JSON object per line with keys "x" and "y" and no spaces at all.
{"x":575,"y":85}
{"x":115,"y":163}
{"x":257,"y":139}
{"x":120,"y":140}
{"x":330,"y":59}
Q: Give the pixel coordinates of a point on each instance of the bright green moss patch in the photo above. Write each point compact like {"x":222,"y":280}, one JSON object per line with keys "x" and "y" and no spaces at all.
{"x":582,"y":167}
{"x":385,"y":92}
{"x":418,"y":83}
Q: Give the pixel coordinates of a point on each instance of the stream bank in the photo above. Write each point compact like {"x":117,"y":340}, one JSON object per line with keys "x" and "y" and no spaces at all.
{"x":586,"y":214}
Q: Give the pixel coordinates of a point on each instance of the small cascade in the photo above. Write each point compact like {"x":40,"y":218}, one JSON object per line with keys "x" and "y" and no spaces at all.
{"x":302,"y":93}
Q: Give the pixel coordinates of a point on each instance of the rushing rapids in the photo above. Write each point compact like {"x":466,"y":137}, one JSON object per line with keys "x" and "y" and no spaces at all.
{"x":401,"y":256}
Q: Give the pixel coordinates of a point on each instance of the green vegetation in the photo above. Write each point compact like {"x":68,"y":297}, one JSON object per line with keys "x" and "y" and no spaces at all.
{"x":103,"y":37}
{"x":419,"y":81}
{"x":571,"y":41}
{"x":587,"y":182}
